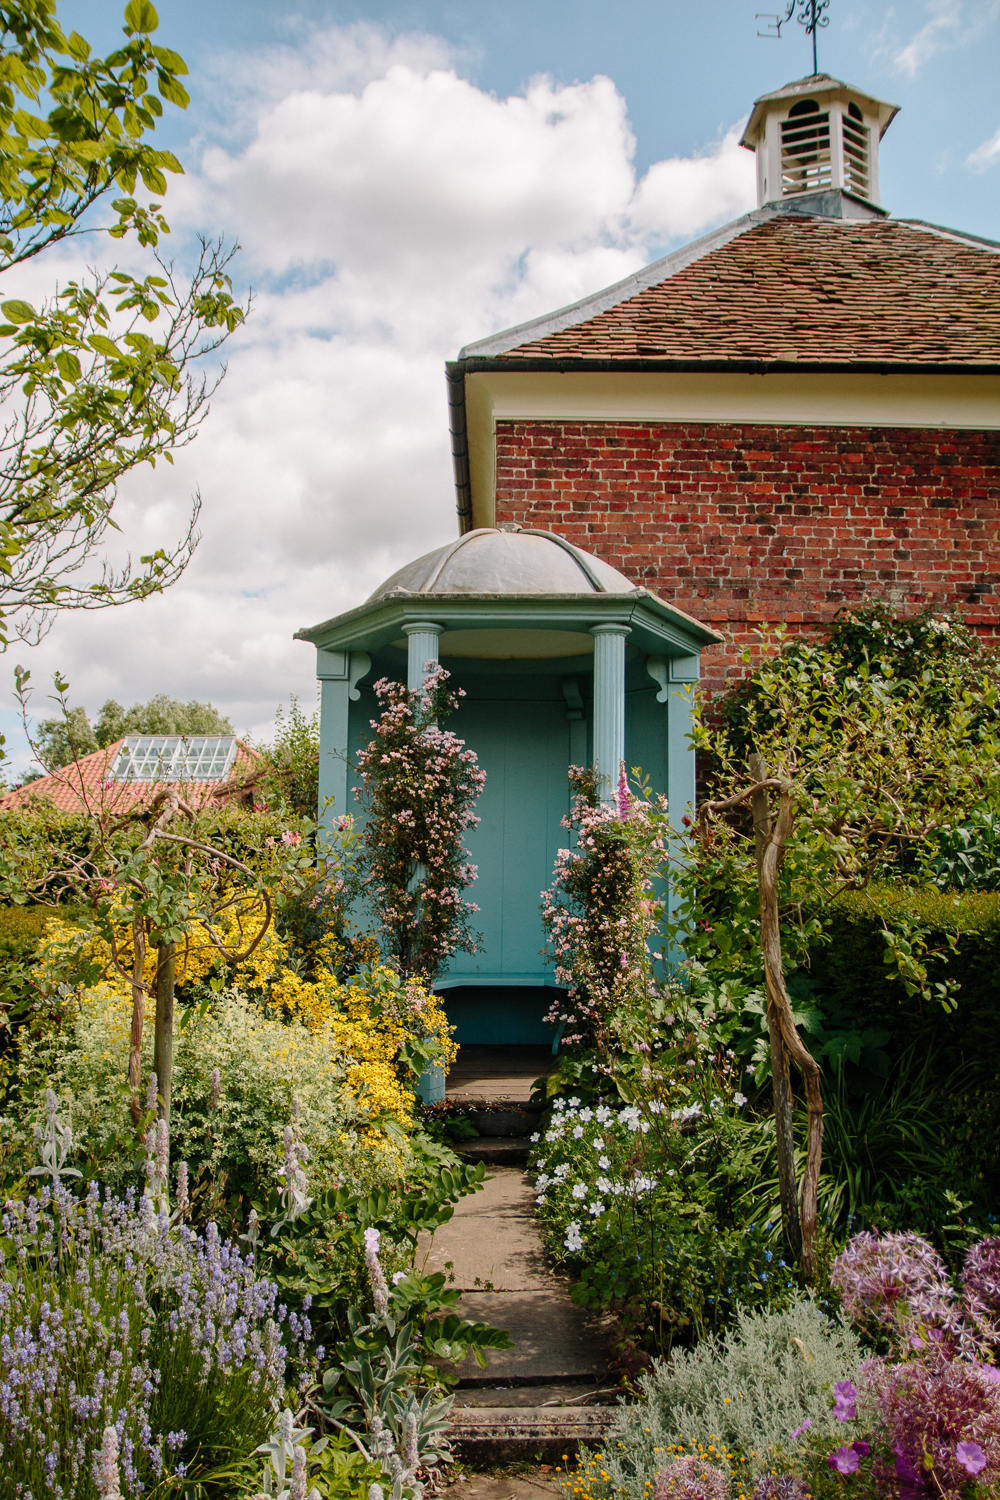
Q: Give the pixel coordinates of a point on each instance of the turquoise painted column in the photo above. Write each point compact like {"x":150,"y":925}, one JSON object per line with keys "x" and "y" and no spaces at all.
{"x":422,"y":648}
{"x":422,"y":651}
{"x":609,"y":704}
{"x":684,"y":672}
{"x":339,"y":672}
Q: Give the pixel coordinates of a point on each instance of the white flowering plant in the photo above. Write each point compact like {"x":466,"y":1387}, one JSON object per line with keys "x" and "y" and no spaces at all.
{"x":661,"y":1204}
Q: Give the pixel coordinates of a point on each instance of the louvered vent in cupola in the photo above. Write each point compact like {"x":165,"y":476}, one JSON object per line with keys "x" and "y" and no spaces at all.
{"x":806,"y":165}
{"x":857,"y":165}
{"x":816,"y":143}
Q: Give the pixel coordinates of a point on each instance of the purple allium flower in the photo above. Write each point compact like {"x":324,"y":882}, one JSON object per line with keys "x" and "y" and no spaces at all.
{"x":928,"y":1408}
{"x":691,"y":1478}
{"x":845,"y":1401}
{"x":896,"y":1282}
{"x":981,"y":1287}
{"x":779,"y":1487}
{"x":845,"y":1460}
{"x":971,"y":1457}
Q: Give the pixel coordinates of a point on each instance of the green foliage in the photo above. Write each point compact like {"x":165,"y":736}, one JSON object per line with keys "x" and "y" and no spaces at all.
{"x":229,"y":1135}
{"x":161,"y":715}
{"x":745,"y":1390}
{"x":65,"y":739}
{"x":882,"y":740}
{"x":93,"y":392}
{"x":934,"y":648}
{"x":290,"y":778}
{"x":656,"y":1200}
{"x":854,"y":969}
{"x":21,"y":930}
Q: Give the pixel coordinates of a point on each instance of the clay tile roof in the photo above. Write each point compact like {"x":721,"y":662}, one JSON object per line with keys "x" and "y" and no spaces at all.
{"x":787,"y":288}
{"x":84,"y":786}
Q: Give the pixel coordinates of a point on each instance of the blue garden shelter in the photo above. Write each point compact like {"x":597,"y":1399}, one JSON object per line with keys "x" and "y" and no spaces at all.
{"x":564,"y":662}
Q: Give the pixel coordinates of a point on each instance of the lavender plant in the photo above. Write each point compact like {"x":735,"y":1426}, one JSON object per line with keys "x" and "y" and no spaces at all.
{"x":111,"y":1320}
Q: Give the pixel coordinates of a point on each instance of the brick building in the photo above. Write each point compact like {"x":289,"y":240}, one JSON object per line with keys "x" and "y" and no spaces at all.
{"x":798,"y":411}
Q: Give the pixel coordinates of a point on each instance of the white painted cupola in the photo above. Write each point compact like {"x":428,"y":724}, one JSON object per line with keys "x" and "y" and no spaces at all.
{"x":817,"y":144}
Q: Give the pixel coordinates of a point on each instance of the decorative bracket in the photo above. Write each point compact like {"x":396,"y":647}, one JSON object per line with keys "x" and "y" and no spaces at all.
{"x":360,"y":667}
{"x":574,"y":702}
{"x":659,"y":669}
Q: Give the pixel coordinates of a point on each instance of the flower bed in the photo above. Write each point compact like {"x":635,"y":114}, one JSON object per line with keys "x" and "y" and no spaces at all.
{"x":653,"y":1207}
{"x":791,"y":1405}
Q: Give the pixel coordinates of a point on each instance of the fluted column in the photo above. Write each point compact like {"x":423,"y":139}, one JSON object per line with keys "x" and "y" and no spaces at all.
{"x":609,"y":704}
{"x":422,"y":648}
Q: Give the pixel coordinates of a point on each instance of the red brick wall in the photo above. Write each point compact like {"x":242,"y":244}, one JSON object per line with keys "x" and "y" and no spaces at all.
{"x":747,"y":526}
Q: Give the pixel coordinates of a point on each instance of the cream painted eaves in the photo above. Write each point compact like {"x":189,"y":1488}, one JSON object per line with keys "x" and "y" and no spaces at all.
{"x":808,"y":400}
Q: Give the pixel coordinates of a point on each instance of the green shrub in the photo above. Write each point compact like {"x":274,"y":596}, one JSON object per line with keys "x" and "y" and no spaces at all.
{"x":230,"y":1136}
{"x":747,"y":1391}
{"x":850,"y":971}
{"x":21,"y":930}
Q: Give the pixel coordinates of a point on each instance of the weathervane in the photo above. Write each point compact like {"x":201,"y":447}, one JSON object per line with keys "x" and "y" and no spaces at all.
{"x":811,"y":16}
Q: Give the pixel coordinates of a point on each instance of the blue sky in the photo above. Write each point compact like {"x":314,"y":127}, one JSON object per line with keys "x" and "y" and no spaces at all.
{"x":407,"y":178}
{"x":686,"y":70}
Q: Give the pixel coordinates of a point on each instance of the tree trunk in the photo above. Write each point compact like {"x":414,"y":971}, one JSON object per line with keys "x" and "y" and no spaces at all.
{"x":785,"y":1137}
{"x":163,"y":1040}
{"x":138,"y":1018}
{"x":770,"y":844}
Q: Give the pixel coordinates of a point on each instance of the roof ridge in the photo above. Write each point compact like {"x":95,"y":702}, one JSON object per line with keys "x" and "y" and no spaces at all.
{"x":619,"y":291}
{"x":961,"y":235}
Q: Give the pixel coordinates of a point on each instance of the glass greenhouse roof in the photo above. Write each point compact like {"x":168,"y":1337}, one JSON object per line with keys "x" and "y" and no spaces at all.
{"x":174,"y":757}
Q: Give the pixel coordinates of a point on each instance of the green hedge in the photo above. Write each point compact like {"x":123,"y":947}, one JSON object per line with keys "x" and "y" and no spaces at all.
{"x":22,"y":927}
{"x":852,"y":972}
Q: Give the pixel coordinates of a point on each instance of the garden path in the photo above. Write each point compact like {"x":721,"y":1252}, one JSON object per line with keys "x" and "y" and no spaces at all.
{"x":492,"y":1249}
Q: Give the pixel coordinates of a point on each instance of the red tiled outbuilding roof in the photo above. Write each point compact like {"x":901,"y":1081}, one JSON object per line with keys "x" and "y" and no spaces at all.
{"x":84,"y":785}
{"x":787,"y":289}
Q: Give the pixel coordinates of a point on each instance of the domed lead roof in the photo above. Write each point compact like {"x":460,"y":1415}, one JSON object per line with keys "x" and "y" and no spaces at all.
{"x":491,"y":561}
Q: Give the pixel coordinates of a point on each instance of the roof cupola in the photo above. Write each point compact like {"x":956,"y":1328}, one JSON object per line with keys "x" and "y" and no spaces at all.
{"x":817,"y":146}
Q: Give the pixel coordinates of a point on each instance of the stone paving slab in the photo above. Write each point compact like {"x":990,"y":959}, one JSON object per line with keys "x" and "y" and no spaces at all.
{"x":558,"y":1395}
{"x":523,"y":1487}
{"x":553,"y":1339}
{"x":492,"y":1236}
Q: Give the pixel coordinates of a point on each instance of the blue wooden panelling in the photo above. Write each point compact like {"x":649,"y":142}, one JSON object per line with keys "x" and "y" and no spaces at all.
{"x":517,"y":722}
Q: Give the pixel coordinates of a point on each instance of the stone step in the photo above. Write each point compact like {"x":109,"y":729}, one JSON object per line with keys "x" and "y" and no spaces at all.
{"x":503,"y":1434}
{"x":495,"y":1150}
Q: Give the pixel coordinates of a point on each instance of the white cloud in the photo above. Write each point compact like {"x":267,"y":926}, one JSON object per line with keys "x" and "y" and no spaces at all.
{"x":390,"y":211}
{"x":935,"y":33}
{"x":985,"y":155}
{"x":950,"y":24}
